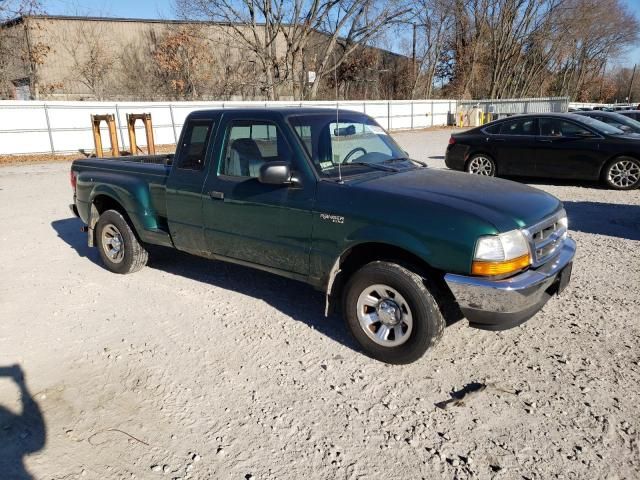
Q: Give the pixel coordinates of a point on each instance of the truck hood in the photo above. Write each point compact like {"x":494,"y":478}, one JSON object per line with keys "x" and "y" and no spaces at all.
{"x":505,"y":204}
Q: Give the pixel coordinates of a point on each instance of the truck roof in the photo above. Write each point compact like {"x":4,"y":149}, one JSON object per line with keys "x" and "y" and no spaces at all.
{"x":284,"y":111}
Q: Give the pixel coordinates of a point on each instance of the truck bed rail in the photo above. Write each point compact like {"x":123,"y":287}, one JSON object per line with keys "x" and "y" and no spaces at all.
{"x":163,"y":159}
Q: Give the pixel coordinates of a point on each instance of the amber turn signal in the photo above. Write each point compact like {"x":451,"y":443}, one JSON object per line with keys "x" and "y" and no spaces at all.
{"x":479,"y":267}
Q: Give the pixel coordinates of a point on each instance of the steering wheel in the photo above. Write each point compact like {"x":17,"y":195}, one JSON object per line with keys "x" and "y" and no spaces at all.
{"x":355,"y":150}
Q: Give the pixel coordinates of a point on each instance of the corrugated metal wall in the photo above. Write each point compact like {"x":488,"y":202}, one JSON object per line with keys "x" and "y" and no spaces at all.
{"x":514,"y":106}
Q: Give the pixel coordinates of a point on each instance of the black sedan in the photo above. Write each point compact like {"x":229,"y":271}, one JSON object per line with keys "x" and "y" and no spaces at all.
{"x":615,"y":119}
{"x":634,"y":114}
{"x":552,"y":145}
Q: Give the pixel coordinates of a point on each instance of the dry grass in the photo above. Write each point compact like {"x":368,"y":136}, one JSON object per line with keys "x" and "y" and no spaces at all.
{"x":50,"y":158}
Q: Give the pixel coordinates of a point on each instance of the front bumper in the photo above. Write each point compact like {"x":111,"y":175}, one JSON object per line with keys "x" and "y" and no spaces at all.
{"x":501,"y":304}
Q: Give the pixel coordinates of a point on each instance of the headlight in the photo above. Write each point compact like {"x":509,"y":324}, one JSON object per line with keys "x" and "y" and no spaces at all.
{"x":501,"y":254}
{"x":564,"y":221}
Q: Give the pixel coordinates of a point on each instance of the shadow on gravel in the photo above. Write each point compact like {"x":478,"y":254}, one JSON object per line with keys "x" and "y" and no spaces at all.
{"x":69,"y":231}
{"x":557,"y":182}
{"x":295,"y":299}
{"x":614,"y":220}
{"x":20,"y":434}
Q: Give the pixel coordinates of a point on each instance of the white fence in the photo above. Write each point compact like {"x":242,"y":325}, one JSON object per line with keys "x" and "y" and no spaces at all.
{"x":65,"y":127}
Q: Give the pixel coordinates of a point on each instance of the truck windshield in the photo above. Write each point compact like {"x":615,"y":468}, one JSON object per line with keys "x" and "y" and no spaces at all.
{"x":354,"y":141}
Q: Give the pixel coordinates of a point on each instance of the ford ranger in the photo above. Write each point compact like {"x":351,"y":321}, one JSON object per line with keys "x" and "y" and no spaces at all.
{"x":328,"y":198}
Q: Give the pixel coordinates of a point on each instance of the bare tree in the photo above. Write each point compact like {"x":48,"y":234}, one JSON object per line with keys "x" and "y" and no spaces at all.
{"x":513,"y":48}
{"x":431,"y":23}
{"x":184,"y":61}
{"x":287,"y":37}
{"x":92,"y":57}
{"x":17,"y":44}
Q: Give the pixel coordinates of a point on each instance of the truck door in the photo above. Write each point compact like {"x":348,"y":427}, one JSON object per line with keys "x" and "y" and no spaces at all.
{"x":244,"y":219}
{"x":185,"y":183}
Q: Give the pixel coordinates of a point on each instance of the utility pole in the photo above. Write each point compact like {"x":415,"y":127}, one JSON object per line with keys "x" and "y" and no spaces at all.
{"x":633,"y":76}
{"x":413,"y":60}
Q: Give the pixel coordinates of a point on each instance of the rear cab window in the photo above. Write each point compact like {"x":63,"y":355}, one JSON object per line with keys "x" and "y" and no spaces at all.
{"x":193,"y":148}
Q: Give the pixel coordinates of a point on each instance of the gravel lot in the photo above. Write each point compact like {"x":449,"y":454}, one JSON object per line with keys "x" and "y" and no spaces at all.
{"x":198,"y":369}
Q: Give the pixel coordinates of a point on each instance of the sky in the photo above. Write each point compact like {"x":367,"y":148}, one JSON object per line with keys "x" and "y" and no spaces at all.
{"x":111,"y":8}
{"x":163,"y":9}
{"x":634,"y":54}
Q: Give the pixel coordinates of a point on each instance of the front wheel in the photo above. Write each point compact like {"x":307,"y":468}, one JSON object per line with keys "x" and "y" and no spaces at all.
{"x":120,"y":250}
{"x":391,"y":313}
{"x":622,"y":173}
{"x":481,"y":164}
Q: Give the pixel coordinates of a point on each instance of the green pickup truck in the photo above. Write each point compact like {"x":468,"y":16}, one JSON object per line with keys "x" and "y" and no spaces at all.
{"x":328,"y":198}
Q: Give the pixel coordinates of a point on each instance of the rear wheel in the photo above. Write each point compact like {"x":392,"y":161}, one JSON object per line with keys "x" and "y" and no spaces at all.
{"x":120,"y":250}
{"x":391,"y":313}
{"x":622,"y":173}
{"x":481,"y":164}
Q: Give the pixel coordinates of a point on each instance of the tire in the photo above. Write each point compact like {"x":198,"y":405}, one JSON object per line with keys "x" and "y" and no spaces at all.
{"x":481,"y":164}
{"x":622,"y":173}
{"x":402,"y":301}
{"x":119,"y":248}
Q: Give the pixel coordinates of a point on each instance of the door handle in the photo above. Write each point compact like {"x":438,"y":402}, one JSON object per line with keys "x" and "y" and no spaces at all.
{"x":216,"y":195}
{"x":499,"y":139}
{"x":545,"y":140}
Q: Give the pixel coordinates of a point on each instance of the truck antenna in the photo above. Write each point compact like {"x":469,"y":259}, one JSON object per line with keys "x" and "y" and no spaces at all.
{"x":335,"y":81}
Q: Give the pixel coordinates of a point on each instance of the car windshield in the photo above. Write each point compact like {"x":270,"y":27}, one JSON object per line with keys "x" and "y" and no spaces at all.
{"x":601,"y":127}
{"x":348,"y":139}
{"x":624,"y":120}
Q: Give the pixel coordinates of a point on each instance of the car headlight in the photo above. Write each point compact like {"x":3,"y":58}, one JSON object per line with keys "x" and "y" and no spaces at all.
{"x":501,"y":254}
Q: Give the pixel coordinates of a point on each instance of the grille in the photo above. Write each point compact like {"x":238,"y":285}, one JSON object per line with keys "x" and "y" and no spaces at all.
{"x":546,"y":238}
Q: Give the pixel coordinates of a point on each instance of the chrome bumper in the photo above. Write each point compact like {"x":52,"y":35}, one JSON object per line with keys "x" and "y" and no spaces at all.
{"x":501,"y":304}
{"x":74,"y":209}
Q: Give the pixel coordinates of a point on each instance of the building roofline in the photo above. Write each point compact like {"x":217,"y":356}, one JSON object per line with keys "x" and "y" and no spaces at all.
{"x":20,"y":19}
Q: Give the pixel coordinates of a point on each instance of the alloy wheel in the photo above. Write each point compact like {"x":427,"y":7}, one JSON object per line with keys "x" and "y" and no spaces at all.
{"x":481,"y":165}
{"x":112,"y":243}
{"x":384,"y":315}
{"x":624,"y":173}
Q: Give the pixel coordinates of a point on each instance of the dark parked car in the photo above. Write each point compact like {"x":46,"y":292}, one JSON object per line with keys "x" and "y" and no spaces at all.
{"x":615,"y":119}
{"x":553,"y":145}
{"x":634,"y":114}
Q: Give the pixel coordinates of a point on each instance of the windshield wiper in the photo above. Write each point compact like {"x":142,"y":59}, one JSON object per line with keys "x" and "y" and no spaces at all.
{"x":406,"y":159}
{"x":376,"y":166}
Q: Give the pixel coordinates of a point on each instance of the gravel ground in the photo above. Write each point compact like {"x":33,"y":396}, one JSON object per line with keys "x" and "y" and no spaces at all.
{"x":198,"y":369}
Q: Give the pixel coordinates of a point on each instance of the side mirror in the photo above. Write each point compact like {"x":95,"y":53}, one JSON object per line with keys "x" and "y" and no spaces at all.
{"x":275,"y":173}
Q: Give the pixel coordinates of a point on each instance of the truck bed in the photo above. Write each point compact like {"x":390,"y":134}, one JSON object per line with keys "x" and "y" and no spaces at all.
{"x":151,"y":170}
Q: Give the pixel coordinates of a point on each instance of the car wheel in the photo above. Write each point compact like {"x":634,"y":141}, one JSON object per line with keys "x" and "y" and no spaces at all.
{"x":481,"y":164}
{"x":622,"y":173}
{"x":391,"y":313}
{"x":120,"y":250}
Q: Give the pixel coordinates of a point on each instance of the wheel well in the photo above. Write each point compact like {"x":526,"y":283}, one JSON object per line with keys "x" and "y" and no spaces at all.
{"x":360,"y":255}
{"x":102,"y":203}
{"x":105,"y":202}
